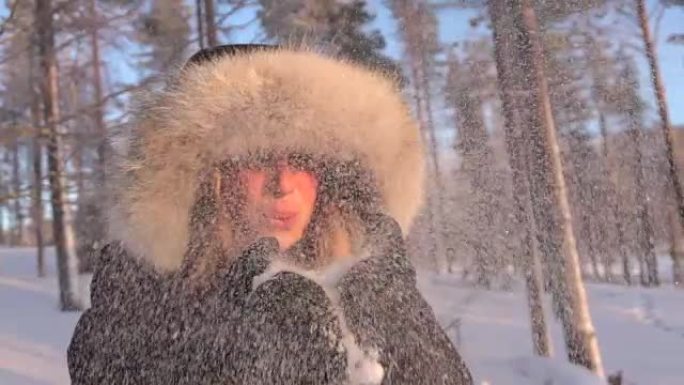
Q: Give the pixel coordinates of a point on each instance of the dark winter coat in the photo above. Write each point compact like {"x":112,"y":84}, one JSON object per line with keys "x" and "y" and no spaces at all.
{"x":158,"y":318}
{"x":142,"y":328}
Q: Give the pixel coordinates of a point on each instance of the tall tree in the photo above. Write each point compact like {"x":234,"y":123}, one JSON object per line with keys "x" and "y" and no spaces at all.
{"x":659,"y":90}
{"x":509,"y":81}
{"x":600,"y":68}
{"x":98,"y":111}
{"x":165,"y":29}
{"x":37,"y":182}
{"x":200,"y":23}
{"x":676,"y":251}
{"x":627,"y":95}
{"x":16,"y":100}
{"x":677,"y":38}
{"x":577,"y":160}
{"x":567,"y":94}
{"x":90,"y":223}
{"x":339,"y":25}
{"x":526,"y":101}
{"x":467,"y":89}
{"x":477,"y":163}
{"x":665,"y":126}
{"x":62,"y":228}
{"x":23,"y":95}
{"x":418,"y":30}
{"x":210,"y":23}
{"x":17,"y":188}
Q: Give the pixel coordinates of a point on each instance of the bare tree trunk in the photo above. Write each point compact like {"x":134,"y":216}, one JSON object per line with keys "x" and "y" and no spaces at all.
{"x":76,"y":151}
{"x":645,"y":239}
{"x":659,"y":89}
{"x":37,"y":203}
{"x":586,"y":231}
{"x":406,"y":14}
{"x":98,"y":113}
{"x":4,"y":209}
{"x":210,"y":20}
{"x":583,"y":347}
{"x":614,"y":201}
{"x":37,"y":158}
{"x":200,"y":23}
{"x":434,"y":155}
{"x":544,"y":159}
{"x":477,"y":164}
{"x":676,"y":252}
{"x":62,"y":228}
{"x":533,"y":284}
{"x":440,"y":264}
{"x":612,"y":196}
{"x":18,"y":234}
{"x":585,"y":203}
{"x":3,"y":235}
{"x":420,"y":54}
{"x":516,"y":148}
{"x":666,"y":127}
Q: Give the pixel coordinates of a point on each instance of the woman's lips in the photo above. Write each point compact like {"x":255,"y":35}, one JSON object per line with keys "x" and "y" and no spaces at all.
{"x":281,"y":221}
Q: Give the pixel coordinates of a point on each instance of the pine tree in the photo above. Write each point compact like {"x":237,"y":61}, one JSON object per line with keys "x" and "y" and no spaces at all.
{"x":165,"y":29}
{"x":665,"y":125}
{"x":601,"y":67}
{"x":464,"y":81}
{"x":90,"y":222}
{"x":22,"y":96}
{"x":676,"y":38}
{"x":339,"y":25}
{"x":571,"y":113}
{"x":37,"y":162}
{"x":627,"y":96}
{"x":676,"y":251}
{"x":16,"y":102}
{"x":584,"y":167}
{"x":526,"y":102}
{"x":210,"y":23}
{"x":62,"y":230}
{"x":668,"y":136}
{"x":467,"y":90}
{"x":98,"y":111}
{"x":418,"y":30}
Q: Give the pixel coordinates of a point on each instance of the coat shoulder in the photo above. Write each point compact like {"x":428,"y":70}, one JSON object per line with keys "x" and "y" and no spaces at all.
{"x":120,"y":279}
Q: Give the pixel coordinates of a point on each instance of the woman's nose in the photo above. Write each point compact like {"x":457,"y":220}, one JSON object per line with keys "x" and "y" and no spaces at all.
{"x":281,"y":181}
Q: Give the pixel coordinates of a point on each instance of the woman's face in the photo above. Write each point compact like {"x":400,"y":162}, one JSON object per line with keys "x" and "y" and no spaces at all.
{"x":279,"y":201}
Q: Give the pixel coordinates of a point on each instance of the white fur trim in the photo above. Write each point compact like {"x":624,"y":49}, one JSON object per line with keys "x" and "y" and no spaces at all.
{"x":279,"y":99}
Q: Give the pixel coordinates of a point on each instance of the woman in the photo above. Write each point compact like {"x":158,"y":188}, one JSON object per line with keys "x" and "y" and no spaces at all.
{"x":258,"y":216}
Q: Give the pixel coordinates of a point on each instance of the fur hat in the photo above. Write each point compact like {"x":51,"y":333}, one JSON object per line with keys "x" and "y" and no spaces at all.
{"x":232,"y":102}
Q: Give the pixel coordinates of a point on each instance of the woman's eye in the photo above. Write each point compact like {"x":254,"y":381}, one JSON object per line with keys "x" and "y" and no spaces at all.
{"x":257,"y":162}
{"x":300,"y":162}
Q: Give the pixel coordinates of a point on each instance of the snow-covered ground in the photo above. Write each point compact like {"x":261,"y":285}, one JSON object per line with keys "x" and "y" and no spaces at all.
{"x":641,"y":331}
{"x":33,"y":332}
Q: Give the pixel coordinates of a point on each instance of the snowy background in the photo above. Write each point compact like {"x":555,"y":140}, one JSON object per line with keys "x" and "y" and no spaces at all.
{"x":641,"y":331}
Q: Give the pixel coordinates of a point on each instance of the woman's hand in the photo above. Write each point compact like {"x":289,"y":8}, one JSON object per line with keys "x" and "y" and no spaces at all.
{"x":283,"y":330}
{"x":388,"y":260}
{"x":237,"y":279}
{"x":385,"y":311}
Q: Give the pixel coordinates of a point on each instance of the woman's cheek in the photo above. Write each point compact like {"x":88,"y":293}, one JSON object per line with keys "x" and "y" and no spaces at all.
{"x":253,"y":181}
{"x":308,"y":186}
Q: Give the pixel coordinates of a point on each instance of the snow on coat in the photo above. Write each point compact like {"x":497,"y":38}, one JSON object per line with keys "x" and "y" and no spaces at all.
{"x":255,"y":318}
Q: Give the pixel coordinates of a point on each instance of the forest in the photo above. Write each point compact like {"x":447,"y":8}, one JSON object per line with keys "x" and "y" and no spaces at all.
{"x":553,"y":154}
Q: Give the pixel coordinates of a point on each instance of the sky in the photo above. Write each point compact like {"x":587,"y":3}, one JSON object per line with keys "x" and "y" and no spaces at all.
{"x":454,"y":27}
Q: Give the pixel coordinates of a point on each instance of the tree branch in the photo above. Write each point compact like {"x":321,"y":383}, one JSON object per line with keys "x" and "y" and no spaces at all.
{"x":13,"y":10}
